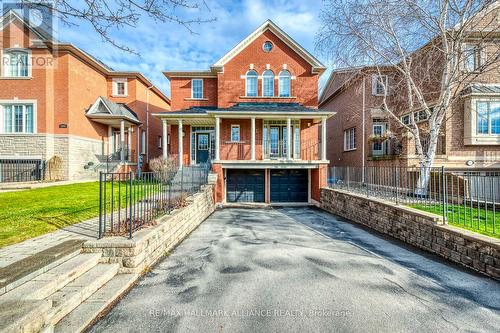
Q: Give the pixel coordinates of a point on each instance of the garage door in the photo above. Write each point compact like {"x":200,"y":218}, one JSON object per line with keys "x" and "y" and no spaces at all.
{"x":245,"y":185}
{"x":289,"y":185}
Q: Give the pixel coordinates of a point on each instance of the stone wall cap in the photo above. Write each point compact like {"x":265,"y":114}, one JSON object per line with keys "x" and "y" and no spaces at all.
{"x":472,"y":236}
{"x":114,"y":241}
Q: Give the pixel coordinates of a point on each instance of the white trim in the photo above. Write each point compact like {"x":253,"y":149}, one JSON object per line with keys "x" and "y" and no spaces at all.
{"x":256,"y":84}
{"x":272,"y":81}
{"x":192,"y":89}
{"x":317,"y":66}
{"x":231,"y":133}
{"x":32,"y":102}
{"x":115,"y":82}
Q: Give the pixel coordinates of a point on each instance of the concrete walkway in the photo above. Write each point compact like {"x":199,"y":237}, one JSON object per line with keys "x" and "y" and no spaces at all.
{"x":79,"y":231}
{"x":302,"y":270}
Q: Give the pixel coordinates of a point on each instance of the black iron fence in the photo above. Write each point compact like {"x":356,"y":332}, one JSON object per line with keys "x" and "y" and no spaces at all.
{"x":21,"y":170}
{"x":465,"y":198}
{"x":130,"y":201}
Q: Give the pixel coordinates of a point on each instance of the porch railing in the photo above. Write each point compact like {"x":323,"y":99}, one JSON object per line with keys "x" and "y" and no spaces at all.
{"x":269,"y":150}
{"x":129,"y":201}
{"x":465,"y":198}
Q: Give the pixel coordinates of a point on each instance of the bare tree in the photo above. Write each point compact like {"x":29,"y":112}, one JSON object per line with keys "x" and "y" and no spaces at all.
{"x":429,"y":49}
{"x":107,"y":15}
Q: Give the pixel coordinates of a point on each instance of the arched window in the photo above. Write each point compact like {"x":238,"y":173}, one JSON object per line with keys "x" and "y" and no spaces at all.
{"x":251,"y":83}
{"x":284,"y":84}
{"x":16,"y":63}
{"x":268,"y":83}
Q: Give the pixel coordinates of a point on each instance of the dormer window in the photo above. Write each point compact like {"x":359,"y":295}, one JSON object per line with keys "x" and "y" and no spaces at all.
{"x":268,"y":83}
{"x":16,"y":63}
{"x":379,"y":85}
{"x":120,"y":87}
{"x":197,"y":88}
{"x":251,"y":83}
{"x":284,"y":83}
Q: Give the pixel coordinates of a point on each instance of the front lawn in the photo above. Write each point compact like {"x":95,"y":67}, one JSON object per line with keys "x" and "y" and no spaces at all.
{"x":31,"y":213}
{"x":477,"y":220}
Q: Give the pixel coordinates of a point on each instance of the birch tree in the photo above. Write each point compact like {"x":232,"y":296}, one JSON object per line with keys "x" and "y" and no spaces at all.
{"x":430,"y":50}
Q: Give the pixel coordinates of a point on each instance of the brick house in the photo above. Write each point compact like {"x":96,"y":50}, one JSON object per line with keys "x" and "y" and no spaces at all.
{"x":65,"y":115}
{"x":254,"y":115}
{"x":470,"y":134}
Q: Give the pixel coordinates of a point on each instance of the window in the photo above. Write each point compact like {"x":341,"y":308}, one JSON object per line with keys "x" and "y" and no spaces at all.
{"x":235,"y":133}
{"x":251,"y":84}
{"x":268,"y":83}
{"x":284,"y":83}
{"x":18,"y":118}
{"x":472,"y":57}
{"x":197,"y":88}
{"x":488,"y":117}
{"x":16,"y":63}
{"x":267,"y":46}
{"x":120,"y":87}
{"x":406,"y":119}
{"x":379,"y":84}
{"x":350,"y":139}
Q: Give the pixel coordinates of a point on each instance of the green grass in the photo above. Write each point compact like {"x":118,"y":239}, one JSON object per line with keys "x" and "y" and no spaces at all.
{"x":31,"y":213}
{"x":477,"y":220}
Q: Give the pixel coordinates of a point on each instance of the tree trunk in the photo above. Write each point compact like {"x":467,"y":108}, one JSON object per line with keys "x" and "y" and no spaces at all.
{"x":426,"y":166}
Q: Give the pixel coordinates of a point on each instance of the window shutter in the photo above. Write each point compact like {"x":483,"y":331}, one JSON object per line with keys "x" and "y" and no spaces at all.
{"x":374,"y":84}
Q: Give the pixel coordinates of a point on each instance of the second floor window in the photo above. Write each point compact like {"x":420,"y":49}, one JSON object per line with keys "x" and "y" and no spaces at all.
{"x":350,"y":139}
{"x":120,"y":87}
{"x":15,"y":63}
{"x":284,"y":84}
{"x":472,"y":57}
{"x":197,"y":88}
{"x":251,"y":83}
{"x":18,"y":118}
{"x":379,"y":84}
{"x":268,"y":83}
{"x":488,"y":117}
{"x":235,"y":133}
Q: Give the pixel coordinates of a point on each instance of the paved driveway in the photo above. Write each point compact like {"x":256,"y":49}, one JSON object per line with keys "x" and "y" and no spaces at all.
{"x":302,"y":270}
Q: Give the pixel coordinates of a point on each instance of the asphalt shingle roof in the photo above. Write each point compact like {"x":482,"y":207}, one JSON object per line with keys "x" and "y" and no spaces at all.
{"x":250,"y":107}
{"x":117,"y":109}
{"x":476,"y":88}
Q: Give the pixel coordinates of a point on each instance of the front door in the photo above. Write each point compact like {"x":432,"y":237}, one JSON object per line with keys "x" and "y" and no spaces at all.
{"x":202,"y":147}
{"x":379,"y":129}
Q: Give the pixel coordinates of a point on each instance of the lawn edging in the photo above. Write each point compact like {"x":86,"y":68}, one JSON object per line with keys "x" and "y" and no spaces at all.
{"x":418,"y":228}
{"x":150,"y":244}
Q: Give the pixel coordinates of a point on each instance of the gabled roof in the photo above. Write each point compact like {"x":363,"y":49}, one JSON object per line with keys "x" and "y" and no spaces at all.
{"x":317,"y":66}
{"x":104,"y":108}
{"x":481,"y":89}
{"x":92,"y":61}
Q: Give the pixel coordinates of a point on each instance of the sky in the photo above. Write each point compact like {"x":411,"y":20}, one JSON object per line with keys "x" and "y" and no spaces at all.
{"x":169,"y":46}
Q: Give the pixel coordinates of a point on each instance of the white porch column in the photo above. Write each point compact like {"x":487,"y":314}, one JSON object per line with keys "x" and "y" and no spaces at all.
{"x":217,"y":137}
{"x":122,"y":140}
{"x":129,"y":143}
{"x":323,"y":138}
{"x":180,"y":143}
{"x":252,"y":139}
{"x":288,"y":138}
{"x":164,"y":139}
{"x":110,"y":140}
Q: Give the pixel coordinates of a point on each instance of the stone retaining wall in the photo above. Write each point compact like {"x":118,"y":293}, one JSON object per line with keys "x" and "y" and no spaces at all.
{"x":424,"y":230}
{"x":150,"y":244}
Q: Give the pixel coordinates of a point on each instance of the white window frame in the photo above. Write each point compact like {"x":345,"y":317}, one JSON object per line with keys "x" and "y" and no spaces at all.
{"x":33,"y":103}
{"x":478,"y":54}
{"x":239,"y":133}
{"x":192,"y":88}
{"x":489,"y":102}
{"x":350,"y":139}
{"x":264,"y":84}
{"x":5,"y":69}
{"x":289,"y":83}
{"x":375,"y":84}
{"x":256,"y":83}
{"x":115,"y":87}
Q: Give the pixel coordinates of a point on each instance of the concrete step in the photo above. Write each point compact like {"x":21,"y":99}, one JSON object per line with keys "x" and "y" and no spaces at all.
{"x":74,"y":293}
{"x":49,"y":282}
{"x":87,"y":312}
{"x":23,"y":315}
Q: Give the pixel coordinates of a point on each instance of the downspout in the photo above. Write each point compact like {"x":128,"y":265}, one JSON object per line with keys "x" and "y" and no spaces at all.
{"x":147,"y":122}
{"x":363,"y":134}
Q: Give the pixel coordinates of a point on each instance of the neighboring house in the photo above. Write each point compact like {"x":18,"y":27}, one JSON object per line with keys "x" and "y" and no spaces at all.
{"x":65,"y":115}
{"x":254,"y":115}
{"x":470,"y":134}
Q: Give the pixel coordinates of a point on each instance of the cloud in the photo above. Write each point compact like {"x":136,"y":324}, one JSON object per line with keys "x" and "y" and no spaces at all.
{"x":169,"y":46}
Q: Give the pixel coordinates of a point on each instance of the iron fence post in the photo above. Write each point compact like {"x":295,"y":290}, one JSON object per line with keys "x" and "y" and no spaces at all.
{"x":130,"y":205}
{"x":397,"y":185}
{"x":100,"y":205}
{"x":443,"y":194}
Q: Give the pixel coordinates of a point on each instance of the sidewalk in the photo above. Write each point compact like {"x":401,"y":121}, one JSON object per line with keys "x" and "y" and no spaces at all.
{"x":80,"y":231}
